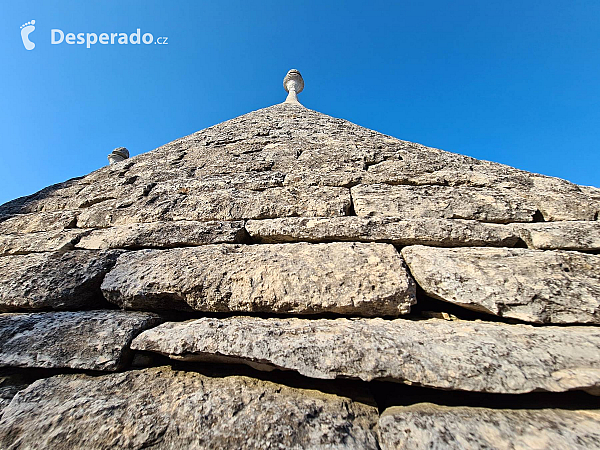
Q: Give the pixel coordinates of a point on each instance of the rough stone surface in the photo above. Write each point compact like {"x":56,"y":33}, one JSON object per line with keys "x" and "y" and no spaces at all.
{"x":555,"y":199}
{"x":181,"y":410}
{"x":436,"y":232}
{"x":164,"y":235}
{"x":294,"y":175}
{"x":428,"y":426}
{"x":221,"y":204}
{"x":443,"y":202}
{"x":94,"y":340}
{"x":45,"y":241}
{"x":27,"y":223}
{"x":54,"y":281}
{"x":365,"y":279}
{"x":460,"y":355}
{"x":10,"y":384}
{"x":286,"y":161}
{"x":575,"y":235}
{"x":530,"y":285}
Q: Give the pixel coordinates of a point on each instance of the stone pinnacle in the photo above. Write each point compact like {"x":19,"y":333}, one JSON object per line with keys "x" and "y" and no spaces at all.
{"x":293,"y":84}
{"x":118,"y":154}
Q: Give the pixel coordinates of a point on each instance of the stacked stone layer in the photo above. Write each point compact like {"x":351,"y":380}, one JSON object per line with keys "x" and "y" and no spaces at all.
{"x":296,"y":243}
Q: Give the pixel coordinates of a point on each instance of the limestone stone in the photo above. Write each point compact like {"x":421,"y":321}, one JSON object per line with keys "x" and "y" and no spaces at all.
{"x":287,"y":161}
{"x":222,"y":204}
{"x":442,"y":202}
{"x":293,"y":84}
{"x":366,"y":279}
{"x":395,"y":230}
{"x":10,"y":384}
{"x":574,"y":235}
{"x":275,"y":202}
{"x":117,"y":155}
{"x":54,"y":280}
{"x":560,"y":200}
{"x":44,"y":241}
{"x":427,"y":426}
{"x":417,"y":165}
{"x":165,"y":409}
{"x":459,"y":355}
{"x":44,"y":221}
{"x":93,"y":340}
{"x":163,"y":235}
{"x":334,"y":163}
{"x":531,"y":285}
{"x":47,"y":200}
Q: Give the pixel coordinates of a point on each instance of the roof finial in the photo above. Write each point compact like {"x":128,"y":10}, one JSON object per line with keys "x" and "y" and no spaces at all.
{"x":118,"y":154}
{"x":293,"y":84}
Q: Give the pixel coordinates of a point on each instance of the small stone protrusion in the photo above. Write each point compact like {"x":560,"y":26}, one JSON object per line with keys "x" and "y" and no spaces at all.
{"x":118,"y":154}
{"x":293,"y":84}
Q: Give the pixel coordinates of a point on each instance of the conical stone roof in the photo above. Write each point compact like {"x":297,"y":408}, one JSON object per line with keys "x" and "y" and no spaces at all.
{"x":312,"y":250}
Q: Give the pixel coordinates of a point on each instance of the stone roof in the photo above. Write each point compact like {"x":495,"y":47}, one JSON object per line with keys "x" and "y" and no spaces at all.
{"x":292,"y":280}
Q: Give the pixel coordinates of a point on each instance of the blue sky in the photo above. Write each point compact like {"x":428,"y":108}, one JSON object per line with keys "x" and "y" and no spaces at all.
{"x":516,"y":82}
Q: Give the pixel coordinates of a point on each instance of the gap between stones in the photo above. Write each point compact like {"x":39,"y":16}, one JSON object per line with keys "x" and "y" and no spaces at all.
{"x":379,"y":393}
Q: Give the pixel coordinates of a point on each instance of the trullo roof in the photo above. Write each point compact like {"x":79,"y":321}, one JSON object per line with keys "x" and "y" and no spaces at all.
{"x":287,"y":279}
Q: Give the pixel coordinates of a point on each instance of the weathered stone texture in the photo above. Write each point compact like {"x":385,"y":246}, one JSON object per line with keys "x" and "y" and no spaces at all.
{"x":442,"y":202}
{"x":10,"y":384}
{"x":530,"y":285}
{"x":436,"y":232}
{"x":276,"y":202}
{"x":164,"y":235}
{"x":575,"y":235}
{"x":275,"y":177}
{"x":48,"y":199}
{"x":223,"y":204}
{"x":286,"y":161}
{"x":27,"y":223}
{"x":347,"y":278}
{"x":94,"y":340}
{"x":60,"y":281}
{"x":460,"y":355}
{"x":560,"y":200}
{"x":165,"y":409}
{"x":555,"y":199}
{"x":427,"y":426}
{"x":44,"y":241}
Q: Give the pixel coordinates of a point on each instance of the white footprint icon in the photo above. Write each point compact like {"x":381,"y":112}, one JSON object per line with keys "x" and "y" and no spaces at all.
{"x":26,"y":30}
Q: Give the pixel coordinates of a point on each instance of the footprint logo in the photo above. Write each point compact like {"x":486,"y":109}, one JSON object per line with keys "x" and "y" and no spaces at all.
{"x":26,"y":30}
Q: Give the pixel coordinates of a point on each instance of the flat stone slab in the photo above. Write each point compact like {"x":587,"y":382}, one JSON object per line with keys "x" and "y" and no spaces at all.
{"x":442,"y":202}
{"x":54,"y":281}
{"x":555,"y":199}
{"x":42,"y":221}
{"x":567,"y":235}
{"x":364,"y":279}
{"x":93,"y":340}
{"x":44,"y":241}
{"x":164,"y":235}
{"x":427,"y":426}
{"x":221,"y":204}
{"x":395,"y":230}
{"x":531,"y":285}
{"x":238,"y":204}
{"x":458,"y":355}
{"x":164,"y":409}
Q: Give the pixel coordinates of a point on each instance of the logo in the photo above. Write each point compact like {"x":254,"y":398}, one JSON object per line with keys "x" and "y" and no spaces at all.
{"x":58,"y":36}
{"x":26,"y":30}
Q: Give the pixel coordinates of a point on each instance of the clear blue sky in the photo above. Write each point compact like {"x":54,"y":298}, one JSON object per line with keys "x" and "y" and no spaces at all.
{"x":516,"y":82}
